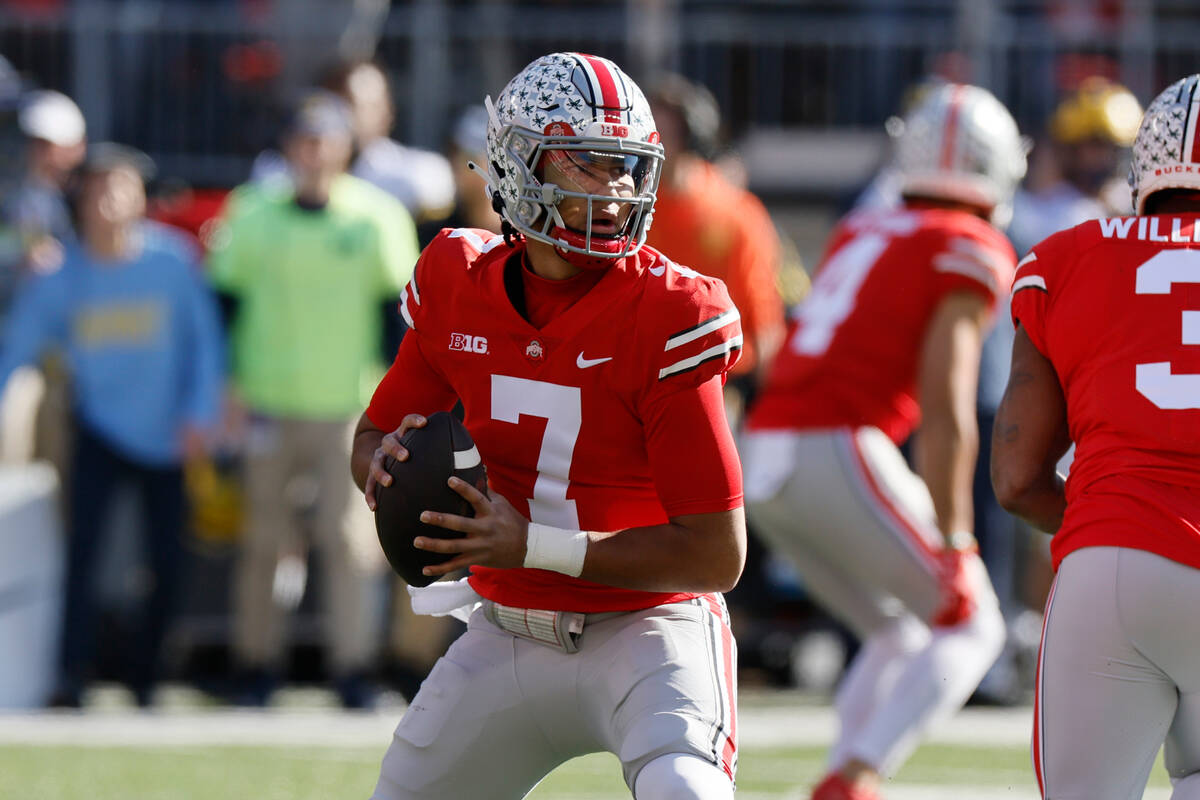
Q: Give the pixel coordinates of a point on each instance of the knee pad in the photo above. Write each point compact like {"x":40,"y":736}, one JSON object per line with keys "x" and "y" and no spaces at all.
{"x":682,"y":777}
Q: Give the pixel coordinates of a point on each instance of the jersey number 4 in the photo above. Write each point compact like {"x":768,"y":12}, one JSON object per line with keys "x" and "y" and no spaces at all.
{"x":834,"y":292}
{"x":1154,"y":380}
{"x":562,"y":409}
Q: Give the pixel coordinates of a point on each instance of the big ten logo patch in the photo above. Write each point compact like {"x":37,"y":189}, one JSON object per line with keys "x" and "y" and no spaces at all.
{"x":468,"y":344}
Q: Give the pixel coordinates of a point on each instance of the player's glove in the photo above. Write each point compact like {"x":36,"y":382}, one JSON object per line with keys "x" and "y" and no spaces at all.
{"x":955,"y":567}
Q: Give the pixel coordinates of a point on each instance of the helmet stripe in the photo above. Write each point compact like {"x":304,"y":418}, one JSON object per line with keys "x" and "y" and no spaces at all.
{"x":1191,"y":144}
{"x":950,"y":131}
{"x":604,"y":86}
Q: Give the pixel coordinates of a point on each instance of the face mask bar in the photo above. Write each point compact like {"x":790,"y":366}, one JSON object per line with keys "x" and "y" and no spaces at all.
{"x":641,"y":205}
{"x":537,"y":204}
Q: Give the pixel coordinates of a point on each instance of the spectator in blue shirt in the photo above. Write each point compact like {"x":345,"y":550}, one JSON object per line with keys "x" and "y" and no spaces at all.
{"x":142,"y":339}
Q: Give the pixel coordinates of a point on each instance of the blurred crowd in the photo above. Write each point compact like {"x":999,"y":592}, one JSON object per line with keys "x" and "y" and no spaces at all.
{"x":207,"y":353}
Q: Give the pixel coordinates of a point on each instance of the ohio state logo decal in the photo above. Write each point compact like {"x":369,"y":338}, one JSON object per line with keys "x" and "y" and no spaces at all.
{"x":534,"y":351}
{"x":559,"y":129}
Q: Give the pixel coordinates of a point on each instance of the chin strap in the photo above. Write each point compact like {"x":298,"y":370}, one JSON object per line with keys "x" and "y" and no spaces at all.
{"x":587,"y":260}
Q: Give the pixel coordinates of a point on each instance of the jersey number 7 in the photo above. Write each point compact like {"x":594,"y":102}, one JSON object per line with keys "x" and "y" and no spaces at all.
{"x":563,"y":411}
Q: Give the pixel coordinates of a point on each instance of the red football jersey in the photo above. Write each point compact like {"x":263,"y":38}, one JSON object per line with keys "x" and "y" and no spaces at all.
{"x":603,"y":419}
{"x":1114,"y":305}
{"x":854,"y":345}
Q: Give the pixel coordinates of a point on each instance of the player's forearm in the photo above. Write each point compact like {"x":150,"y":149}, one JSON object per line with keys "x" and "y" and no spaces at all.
{"x":706,"y":557}
{"x":366,"y":442}
{"x":946,"y":451}
{"x":1041,"y":504}
{"x":1029,"y":437}
{"x":1023,"y":465}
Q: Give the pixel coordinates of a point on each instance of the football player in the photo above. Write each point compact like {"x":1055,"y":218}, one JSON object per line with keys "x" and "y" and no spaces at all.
{"x":1105,"y":356}
{"x":889,"y":337}
{"x":590,"y":369}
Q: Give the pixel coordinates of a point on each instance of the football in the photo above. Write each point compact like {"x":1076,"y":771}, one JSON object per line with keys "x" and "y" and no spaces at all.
{"x":435,"y":452}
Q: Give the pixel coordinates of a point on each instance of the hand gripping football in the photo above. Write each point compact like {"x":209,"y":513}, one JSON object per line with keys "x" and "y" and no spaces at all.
{"x":435,"y":452}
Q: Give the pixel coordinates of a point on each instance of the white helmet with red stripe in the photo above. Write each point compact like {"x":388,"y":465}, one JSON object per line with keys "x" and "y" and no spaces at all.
{"x":1166,"y":152}
{"x":585,"y":115}
{"x":961,"y":144}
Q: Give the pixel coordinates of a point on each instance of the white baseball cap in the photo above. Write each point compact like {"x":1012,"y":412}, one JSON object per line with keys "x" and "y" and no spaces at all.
{"x":52,"y":116}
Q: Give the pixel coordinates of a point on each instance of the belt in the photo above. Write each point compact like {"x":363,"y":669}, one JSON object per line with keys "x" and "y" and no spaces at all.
{"x":559,"y":630}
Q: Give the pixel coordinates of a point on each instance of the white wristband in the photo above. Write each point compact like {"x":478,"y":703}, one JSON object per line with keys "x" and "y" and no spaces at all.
{"x":555,"y":549}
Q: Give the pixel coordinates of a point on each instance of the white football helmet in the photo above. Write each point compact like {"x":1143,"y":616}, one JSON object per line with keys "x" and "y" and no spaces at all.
{"x":588,"y":118}
{"x":1166,"y":152}
{"x":960,"y":143}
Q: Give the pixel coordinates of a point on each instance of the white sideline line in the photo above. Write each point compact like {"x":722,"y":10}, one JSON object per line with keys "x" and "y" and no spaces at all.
{"x":759,"y":727}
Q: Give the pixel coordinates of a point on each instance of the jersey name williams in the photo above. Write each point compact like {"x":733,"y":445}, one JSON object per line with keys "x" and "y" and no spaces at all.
{"x":1149,"y":229}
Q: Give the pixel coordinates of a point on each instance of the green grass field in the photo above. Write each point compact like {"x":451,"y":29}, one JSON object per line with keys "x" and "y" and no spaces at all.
{"x":276,"y":773}
{"x":304,"y":748}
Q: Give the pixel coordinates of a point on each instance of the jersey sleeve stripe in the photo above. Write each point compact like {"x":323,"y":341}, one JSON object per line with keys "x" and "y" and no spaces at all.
{"x":690,"y":363}
{"x":680,"y":338}
{"x":1030,"y":282}
{"x":1029,"y":259}
{"x":965,"y":265}
{"x":988,"y":256}
{"x":408,"y":320}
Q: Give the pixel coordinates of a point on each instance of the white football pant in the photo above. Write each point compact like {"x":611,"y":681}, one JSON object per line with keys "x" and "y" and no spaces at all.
{"x":498,"y":713}
{"x":1119,"y":672}
{"x":859,"y":527}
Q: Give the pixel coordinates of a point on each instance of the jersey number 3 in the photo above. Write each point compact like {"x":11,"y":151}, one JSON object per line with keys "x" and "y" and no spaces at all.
{"x":562,"y":409}
{"x":1154,"y":381}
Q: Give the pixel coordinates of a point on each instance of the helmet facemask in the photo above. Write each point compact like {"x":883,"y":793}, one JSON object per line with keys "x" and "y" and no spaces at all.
{"x":582,"y":162}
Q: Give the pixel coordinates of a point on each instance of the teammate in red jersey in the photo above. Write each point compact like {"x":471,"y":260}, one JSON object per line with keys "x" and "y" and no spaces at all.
{"x":1105,"y":356}
{"x":590,"y":368}
{"x":890,"y":337}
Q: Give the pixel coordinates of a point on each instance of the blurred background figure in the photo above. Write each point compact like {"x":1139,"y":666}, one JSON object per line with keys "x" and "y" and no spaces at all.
{"x":472,"y":206}
{"x":889,"y":339}
{"x":34,"y":409}
{"x":420,"y":179}
{"x":706,"y":223}
{"x":56,"y":141}
{"x":144,"y":354}
{"x":309,"y":273}
{"x":1079,"y":173}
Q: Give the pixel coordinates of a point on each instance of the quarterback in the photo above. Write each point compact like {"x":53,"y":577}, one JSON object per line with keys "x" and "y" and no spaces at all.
{"x":592,"y":388}
{"x":1105,"y":356}
{"x":890,"y":336}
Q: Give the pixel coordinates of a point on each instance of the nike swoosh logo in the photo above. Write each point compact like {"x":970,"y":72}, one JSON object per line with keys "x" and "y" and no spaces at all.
{"x":584,"y":363}
{"x":658,"y":271}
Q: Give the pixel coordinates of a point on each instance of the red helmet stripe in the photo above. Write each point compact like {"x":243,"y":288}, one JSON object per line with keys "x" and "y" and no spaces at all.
{"x":950,"y":132}
{"x":1192,"y":144}
{"x":604,"y":86}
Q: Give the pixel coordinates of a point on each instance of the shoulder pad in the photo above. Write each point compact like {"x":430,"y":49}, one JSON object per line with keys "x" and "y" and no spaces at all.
{"x":452,"y":252}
